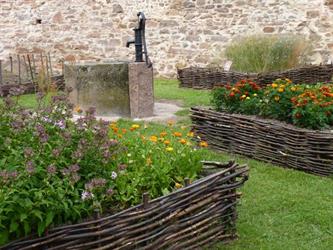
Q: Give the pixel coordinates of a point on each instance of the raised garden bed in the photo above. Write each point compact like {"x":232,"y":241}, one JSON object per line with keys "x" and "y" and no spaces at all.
{"x":267,"y":140}
{"x":208,"y":78}
{"x":197,"y":215}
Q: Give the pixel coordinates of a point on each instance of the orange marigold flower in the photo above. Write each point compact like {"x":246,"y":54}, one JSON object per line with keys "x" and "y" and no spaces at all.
{"x":203,"y":144}
{"x":153,"y":138}
{"x":274,"y":85}
{"x":78,"y":109}
{"x":115,"y":129}
{"x":163,"y":134}
{"x":232,"y":94}
{"x":166,"y":142}
{"x":177,"y":134}
{"x":182,"y":141}
{"x":124,"y":130}
{"x":170,"y":123}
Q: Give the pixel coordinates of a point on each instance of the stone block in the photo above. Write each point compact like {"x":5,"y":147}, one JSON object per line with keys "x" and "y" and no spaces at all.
{"x":141,"y":90}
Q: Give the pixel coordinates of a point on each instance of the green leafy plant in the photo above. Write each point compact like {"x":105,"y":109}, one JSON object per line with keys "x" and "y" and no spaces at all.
{"x":56,"y":171}
{"x":263,"y":53}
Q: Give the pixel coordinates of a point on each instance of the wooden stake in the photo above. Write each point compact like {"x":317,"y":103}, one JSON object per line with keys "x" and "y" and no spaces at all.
{"x":34,"y":63}
{"x":11,"y":64}
{"x":31,"y":72}
{"x":0,"y":71}
{"x":51,"y":72}
{"x":26,"y":66}
{"x":19,"y":68}
{"x":145,"y":200}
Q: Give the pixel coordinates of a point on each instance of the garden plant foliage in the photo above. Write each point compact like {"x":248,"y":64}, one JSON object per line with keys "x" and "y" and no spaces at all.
{"x":55,"y":171}
{"x":264,"y":53}
{"x":306,"y":106}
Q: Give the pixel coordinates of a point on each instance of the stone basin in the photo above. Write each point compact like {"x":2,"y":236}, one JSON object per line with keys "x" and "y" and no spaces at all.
{"x":114,"y":88}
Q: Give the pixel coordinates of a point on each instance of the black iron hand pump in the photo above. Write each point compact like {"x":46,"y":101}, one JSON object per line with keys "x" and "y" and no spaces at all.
{"x":140,"y":40}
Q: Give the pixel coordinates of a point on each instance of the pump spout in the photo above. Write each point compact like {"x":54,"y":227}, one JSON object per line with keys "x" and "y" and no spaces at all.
{"x":129,"y":42}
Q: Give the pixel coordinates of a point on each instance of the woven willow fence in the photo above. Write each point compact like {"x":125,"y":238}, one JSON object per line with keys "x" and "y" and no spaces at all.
{"x":266,"y":140}
{"x":208,"y":78}
{"x":197,"y":215}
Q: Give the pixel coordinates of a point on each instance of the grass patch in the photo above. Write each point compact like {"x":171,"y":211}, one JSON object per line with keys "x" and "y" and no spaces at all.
{"x":169,"y":90}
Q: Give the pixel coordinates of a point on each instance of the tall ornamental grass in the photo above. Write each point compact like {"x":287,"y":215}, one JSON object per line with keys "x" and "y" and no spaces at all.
{"x":264,"y":53}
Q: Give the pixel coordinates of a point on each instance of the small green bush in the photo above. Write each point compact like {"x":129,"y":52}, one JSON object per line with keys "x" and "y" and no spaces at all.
{"x":264,"y":53}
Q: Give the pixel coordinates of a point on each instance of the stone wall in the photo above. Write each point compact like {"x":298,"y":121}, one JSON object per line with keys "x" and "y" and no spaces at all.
{"x":179,"y":32}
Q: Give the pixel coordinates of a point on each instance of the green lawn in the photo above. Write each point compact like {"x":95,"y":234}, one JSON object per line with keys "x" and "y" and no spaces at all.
{"x":280,"y":208}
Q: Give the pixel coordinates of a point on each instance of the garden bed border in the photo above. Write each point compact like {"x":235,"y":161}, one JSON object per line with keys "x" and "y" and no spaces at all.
{"x":200,"y":214}
{"x":208,"y":78}
{"x":267,"y":140}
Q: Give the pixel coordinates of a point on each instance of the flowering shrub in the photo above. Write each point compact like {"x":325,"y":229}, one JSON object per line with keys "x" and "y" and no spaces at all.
{"x":55,"y":171}
{"x":302,"y":105}
{"x":243,"y":97}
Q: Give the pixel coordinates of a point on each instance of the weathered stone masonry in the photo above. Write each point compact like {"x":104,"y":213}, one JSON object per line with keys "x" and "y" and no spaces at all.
{"x":179,"y":32}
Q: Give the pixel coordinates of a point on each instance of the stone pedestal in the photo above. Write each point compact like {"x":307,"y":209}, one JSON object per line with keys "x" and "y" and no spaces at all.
{"x":141,"y":90}
{"x":114,"y":88}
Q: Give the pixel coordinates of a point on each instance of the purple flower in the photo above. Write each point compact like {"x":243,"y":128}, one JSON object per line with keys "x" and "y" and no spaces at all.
{"x":77,"y":154}
{"x":122,"y":167}
{"x":30,"y":167}
{"x":61,"y":124}
{"x":95,"y":183}
{"x":40,"y":95}
{"x":86,"y":195}
{"x":51,"y":169}
{"x":113,"y":175}
{"x":74,"y":168}
{"x":28,"y":152}
{"x":75,"y":178}
{"x":65,"y":171}
{"x":56,"y":152}
{"x":109,"y":191}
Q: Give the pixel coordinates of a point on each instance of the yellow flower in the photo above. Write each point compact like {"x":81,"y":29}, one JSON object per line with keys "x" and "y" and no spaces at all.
{"x":283,"y":86}
{"x":248,"y":98}
{"x":243,"y":96}
{"x":274,"y":85}
{"x":167,"y":142}
{"x":203,"y":144}
{"x":182,"y":141}
{"x":153,"y":138}
{"x":177,"y":134}
{"x":135,"y":126}
{"x":169,"y":149}
{"x":288,"y":80}
{"x":183,"y":127}
{"x":178,"y":185}
{"x":293,"y":88}
{"x":277,"y":98}
{"x":255,"y":95}
{"x":280,"y":90}
{"x":190,"y":134}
